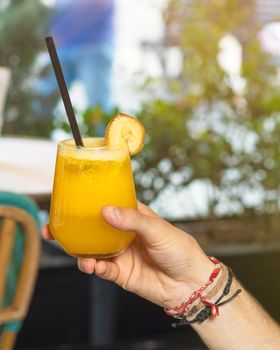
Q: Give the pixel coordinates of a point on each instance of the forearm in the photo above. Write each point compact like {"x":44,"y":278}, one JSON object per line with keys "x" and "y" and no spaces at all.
{"x":242,"y":324}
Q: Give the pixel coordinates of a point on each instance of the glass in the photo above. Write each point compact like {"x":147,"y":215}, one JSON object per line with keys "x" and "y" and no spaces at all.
{"x":86,"y":179}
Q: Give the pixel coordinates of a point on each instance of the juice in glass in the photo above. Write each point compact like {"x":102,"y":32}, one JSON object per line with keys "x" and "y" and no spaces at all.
{"x":86,"y":179}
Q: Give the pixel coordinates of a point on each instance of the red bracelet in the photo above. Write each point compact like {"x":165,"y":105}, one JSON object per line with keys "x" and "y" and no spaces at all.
{"x":181,"y":310}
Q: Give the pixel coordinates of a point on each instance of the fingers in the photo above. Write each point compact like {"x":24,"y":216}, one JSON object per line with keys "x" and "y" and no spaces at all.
{"x":146,"y":210}
{"x":46,"y":233}
{"x":151,"y":228}
{"x":86,"y":265}
{"x":107,"y":270}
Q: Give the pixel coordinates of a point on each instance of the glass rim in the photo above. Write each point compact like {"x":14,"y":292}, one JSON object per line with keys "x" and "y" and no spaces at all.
{"x":64,"y":143}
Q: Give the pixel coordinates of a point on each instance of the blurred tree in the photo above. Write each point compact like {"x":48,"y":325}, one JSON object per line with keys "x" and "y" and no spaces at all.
{"x":89,"y":120}
{"x":21,"y":39}
{"x":211,"y":124}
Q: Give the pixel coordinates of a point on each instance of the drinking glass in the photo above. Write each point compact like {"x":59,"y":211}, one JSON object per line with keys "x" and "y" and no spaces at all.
{"x":86,"y":179}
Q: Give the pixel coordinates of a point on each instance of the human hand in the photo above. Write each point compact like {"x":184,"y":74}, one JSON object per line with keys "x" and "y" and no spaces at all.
{"x":163,"y":264}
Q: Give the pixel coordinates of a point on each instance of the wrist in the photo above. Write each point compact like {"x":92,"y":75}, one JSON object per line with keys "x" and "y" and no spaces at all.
{"x":204,"y":303}
{"x":198,"y":274}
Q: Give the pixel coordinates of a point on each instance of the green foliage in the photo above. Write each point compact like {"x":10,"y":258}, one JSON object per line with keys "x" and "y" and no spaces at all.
{"x":22,"y":23}
{"x":92,"y":121}
{"x":95,"y":116}
{"x":209,"y":129}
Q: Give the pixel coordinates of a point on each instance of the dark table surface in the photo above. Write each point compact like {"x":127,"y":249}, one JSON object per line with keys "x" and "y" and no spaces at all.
{"x":164,"y":342}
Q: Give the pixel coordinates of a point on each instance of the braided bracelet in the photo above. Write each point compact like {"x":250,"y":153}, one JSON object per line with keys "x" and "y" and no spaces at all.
{"x":191,"y":307}
{"x":180,"y":311}
{"x":207,"y":311}
{"x":196,"y":307}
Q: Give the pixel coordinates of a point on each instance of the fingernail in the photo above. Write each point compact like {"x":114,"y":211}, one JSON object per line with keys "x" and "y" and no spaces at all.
{"x":114,"y":213}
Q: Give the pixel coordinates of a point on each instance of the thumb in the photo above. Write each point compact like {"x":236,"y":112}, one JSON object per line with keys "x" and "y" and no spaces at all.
{"x":151,"y":229}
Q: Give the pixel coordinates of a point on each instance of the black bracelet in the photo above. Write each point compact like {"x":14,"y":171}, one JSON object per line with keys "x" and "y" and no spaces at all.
{"x":206,"y":312}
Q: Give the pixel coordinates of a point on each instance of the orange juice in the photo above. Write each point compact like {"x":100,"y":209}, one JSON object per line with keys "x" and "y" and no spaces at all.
{"x":87,"y":179}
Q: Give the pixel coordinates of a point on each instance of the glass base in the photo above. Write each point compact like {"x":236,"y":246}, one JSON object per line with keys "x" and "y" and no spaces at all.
{"x":97,"y":256}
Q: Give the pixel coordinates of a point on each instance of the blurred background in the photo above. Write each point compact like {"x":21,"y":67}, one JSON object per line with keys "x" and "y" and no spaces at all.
{"x":203,"y":77}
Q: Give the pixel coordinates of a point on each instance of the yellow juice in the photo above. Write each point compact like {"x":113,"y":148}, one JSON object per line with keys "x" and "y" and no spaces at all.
{"x":87,"y":179}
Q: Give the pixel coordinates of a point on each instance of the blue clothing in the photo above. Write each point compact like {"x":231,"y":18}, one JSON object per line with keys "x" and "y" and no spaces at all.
{"x":92,"y":65}
{"x":83,"y":34}
{"x":82,"y":23}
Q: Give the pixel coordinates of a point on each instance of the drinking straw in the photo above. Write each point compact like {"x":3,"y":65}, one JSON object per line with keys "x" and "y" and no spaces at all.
{"x":64,"y":91}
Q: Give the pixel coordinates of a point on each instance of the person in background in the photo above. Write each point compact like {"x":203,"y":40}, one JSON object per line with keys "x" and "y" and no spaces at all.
{"x":167,"y":267}
{"x":83,"y":32}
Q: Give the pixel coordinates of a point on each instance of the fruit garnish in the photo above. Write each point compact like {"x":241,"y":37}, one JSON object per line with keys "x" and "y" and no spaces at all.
{"x":124,"y":128}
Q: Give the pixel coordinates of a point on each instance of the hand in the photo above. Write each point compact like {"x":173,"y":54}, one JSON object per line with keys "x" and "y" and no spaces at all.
{"x":163,"y":264}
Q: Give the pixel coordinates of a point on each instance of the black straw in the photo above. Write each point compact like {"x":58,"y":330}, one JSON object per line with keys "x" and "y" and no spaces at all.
{"x":64,"y":91}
